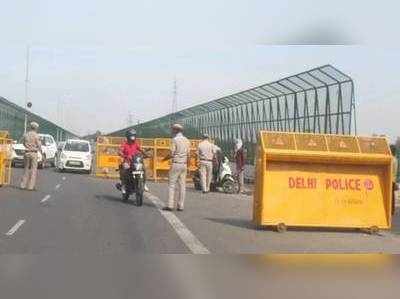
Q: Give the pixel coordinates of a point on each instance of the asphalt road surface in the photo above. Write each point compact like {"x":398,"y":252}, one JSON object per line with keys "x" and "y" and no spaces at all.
{"x":74,"y":238}
{"x":75,"y":213}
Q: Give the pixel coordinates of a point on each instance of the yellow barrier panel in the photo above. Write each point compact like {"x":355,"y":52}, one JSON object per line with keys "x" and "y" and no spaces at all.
{"x":162,"y":150}
{"x":108,"y":160}
{"x":5,"y":159}
{"x":322,"y":181}
{"x":4,"y":134}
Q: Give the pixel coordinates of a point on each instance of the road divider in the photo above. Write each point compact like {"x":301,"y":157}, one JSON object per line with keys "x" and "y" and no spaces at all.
{"x":46,"y":198}
{"x":190,"y":240}
{"x":15,"y":227}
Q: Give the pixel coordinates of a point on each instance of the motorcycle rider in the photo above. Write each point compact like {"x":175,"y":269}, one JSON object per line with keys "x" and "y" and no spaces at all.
{"x":128,"y":150}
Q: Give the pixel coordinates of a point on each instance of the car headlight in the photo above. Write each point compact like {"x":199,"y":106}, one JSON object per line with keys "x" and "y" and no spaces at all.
{"x":89,"y":157}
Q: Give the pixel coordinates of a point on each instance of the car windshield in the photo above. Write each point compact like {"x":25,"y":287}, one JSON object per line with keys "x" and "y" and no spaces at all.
{"x":77,"y":147}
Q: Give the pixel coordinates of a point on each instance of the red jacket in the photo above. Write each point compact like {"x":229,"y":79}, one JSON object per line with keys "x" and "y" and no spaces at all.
{"x":128,"y":150}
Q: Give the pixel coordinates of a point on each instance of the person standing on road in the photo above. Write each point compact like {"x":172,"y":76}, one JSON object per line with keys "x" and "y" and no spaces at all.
{"x":239,"y":157}
{"x":32,"y":144}
{"x":180,"y":146}
{"x":205,"y":153}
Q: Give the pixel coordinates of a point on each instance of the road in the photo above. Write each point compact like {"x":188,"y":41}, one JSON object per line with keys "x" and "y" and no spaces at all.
{"x":75,"y":213}
{"x":74,"y":238}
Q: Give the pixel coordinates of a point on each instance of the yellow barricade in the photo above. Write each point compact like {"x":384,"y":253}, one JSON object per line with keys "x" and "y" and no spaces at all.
{"x":4,"y":134}
{"x":148,"y":146}
{"x":108,"y":160}
{"x":162,"y":150}
{"x":5,"y":158}
{"x":193,"y":159}
{"x":322,"y":181}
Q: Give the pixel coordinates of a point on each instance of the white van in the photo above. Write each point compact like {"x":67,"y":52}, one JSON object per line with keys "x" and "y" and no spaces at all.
{"x":75,"y":154}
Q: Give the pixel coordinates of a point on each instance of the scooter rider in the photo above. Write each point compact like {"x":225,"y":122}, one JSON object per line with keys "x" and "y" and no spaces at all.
{"x":128,"y":150}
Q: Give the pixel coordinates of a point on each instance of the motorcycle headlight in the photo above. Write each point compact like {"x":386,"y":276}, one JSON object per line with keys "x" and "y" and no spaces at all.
{"x":138,"y":166}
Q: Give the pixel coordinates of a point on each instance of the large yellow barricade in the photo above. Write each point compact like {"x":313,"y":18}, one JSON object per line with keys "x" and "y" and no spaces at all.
{"x":322,"y":181}
{"x":161,"y":166}
{"x":5,"y":158}
{"x":108,"y":160}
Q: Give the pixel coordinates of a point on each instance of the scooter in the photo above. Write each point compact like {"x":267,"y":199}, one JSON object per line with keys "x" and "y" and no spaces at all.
{"x":224,"y":181}
{"x":136,"y":180}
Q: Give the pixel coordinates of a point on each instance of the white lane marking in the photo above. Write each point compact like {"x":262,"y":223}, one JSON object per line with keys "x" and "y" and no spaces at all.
{"x":183,"y":232}
{"x":47,"y":197}
{"x":57,"y":186}
{"x":15,"y":227}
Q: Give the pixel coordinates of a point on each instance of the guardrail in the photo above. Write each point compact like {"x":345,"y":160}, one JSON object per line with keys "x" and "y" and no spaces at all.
{"x":5,"y":158}
{"x":108,"y":159}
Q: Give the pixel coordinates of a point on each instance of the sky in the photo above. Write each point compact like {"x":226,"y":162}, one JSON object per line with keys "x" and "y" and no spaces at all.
{"x":94,"y":62}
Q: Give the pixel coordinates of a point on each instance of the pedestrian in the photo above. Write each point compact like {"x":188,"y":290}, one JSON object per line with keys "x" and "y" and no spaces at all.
{"x":239,"y":156}
{"x":395,"y":186}
{"x":33,"y":146}
{"x":205,"y":153}
{"x":180,"y":151}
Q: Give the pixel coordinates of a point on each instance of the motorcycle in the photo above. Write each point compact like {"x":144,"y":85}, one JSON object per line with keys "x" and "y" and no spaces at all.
{"x":136,"y":180}
{"x":223,"y":181}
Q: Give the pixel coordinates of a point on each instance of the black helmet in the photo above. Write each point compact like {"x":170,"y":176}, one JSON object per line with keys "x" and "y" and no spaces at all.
{"x":130,"y":133}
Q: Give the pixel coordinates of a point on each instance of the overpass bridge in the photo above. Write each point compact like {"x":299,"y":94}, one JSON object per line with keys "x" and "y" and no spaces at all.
{"x":12,"y":119}
{"x":320,"y":100}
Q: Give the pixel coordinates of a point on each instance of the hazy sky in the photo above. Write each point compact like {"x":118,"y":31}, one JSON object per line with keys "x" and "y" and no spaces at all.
{"x":101,"y":59}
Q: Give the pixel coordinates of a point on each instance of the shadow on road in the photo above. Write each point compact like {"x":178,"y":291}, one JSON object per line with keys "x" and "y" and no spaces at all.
{"x":243,"y":223}
{"x":112,"y":198}
{"x":118,"y":199}
{"x":247,"y":224}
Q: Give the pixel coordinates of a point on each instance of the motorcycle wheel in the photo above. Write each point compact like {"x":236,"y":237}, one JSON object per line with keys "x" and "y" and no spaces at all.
{"x":139,"y":192}
{"x":125,"y":197}
{"x":228,"y":187}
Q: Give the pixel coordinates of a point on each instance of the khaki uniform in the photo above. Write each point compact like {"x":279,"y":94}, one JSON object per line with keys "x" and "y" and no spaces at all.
{"x":206,"y":152}
{"x":177,"y":175}
{"x":32,"y":145}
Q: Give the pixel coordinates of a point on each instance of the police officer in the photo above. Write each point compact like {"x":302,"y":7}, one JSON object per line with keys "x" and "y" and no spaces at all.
{"x":32,"y":144}
{"x":179,"y":154}
{"x":205,"y":153}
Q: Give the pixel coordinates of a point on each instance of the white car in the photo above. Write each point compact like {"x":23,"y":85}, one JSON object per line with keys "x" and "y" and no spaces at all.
{"x":49,"y":148}
{"x":75,"y":155}
{"x":17,"y":155}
